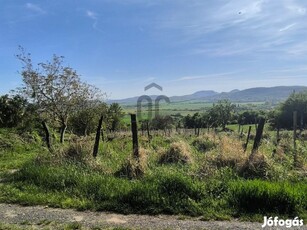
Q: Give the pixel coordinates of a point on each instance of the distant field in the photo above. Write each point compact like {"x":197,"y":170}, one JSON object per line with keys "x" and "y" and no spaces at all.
{"x":186,"y":107}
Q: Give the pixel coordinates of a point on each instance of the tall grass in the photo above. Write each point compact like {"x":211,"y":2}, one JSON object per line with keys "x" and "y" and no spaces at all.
{"x":256,"y":196}
{"x":206,"y":177}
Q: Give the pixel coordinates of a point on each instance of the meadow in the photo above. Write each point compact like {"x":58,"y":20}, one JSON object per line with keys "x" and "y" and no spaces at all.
{"x":209,"y":175}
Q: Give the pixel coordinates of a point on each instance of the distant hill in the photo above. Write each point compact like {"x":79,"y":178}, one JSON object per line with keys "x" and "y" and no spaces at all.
{"x":195,"y":96}
{"x":269,"y":94}
{"x":259,"y":94}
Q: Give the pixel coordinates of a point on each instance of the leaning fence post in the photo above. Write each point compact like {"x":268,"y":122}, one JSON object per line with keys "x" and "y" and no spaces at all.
{"x":134,"y":136}
{"x":258,"y":134}
{"x":294,"y":136}
{"x":247,"y":139}
{"x":47,"y":134}
{"x":97,"y":139}
{"x":148,"y":132}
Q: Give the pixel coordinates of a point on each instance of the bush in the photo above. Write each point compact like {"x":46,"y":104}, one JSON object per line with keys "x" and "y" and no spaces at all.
{"x":178,"y":152}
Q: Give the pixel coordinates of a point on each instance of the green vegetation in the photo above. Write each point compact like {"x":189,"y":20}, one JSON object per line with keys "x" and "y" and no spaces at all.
{"x":207,"y":176}
{"x":196,"y":165}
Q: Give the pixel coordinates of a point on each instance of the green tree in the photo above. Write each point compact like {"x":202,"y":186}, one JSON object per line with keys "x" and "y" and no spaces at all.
{"x":220,"y":114}
{"x":249,"y":117}
{"x":162,"y":122}
{"x":12,"y":110}
{"x":188,"y":122}
{"x":56,"y":89}
{"x":284,"y":114}
{"x":114,"y":115}
{"x":85,"y":120}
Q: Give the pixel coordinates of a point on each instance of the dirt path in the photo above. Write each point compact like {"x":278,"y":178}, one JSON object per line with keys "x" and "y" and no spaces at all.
{"x":39,"y":217}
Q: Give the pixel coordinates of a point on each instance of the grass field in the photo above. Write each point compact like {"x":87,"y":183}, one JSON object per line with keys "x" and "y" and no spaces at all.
{"x":185,"y":107}
{"x":209,"y":176}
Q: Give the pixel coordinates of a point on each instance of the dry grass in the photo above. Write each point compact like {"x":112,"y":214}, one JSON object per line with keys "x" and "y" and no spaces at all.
{"x":230,"y":153}
{"x":134,"y":168}
{"x":79,"y":151}
{"x":204,"y":143}
{"x":178,"y":152}
{"x":256,"y":166}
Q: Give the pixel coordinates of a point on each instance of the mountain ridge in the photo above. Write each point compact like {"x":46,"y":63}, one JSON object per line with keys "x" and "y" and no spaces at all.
{"x":256,"y":94}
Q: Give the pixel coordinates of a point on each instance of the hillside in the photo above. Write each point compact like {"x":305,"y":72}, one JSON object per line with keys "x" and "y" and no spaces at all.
{"x":259,"y":94}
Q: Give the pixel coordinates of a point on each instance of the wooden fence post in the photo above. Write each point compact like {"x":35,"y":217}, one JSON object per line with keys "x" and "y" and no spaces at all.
{"x":47,"y":134}
{"x":134,"y":136}
{"x":301,"y":123}
{"x":294,"y":137}
{"x":278,"y":135}
{"x":247,"y":139}
{"x":97,"y":139}
{"x":258,"y":135}
{"x":148,"y":132}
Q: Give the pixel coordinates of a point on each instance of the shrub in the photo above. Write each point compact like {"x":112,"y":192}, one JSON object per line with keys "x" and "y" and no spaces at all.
{"x":178,"y":152}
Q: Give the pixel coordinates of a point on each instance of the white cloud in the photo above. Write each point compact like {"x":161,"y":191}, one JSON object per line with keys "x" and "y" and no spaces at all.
{"x":91,"y":14}
{"x":238,"y":27}
{"x":207,"y":76}
{"x":296,"y":8}
{"x":287,"y":27}
{"x":35,"y":8}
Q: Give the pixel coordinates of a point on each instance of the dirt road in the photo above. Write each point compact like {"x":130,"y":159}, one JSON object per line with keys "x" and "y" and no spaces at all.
{"x":39,"y":217}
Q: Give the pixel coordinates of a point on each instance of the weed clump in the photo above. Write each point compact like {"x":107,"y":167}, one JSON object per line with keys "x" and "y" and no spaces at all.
{"x":79,"y":150}
{"x":256,"y":166}
{"x":230,"y":154}
{"x":133,"y":167}
{"x":203,"y":144}
{"x":178,"y":152}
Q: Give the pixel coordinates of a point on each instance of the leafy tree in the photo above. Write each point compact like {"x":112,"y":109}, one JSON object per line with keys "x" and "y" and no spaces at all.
{"x":188,"y":122}
{"x":220,"y":114}
{"x":12,"y":110}
{"x":249,"y":117}
{"x":114,"y":116}
{"x":284,"y":114}
{"x":162,"y":122}
{"x":178,"y":120}
{"x":85,"y":120}
{"x":56,"y":89}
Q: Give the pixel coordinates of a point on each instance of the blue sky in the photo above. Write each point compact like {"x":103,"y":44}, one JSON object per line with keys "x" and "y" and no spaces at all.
{"x":184,"y":45}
